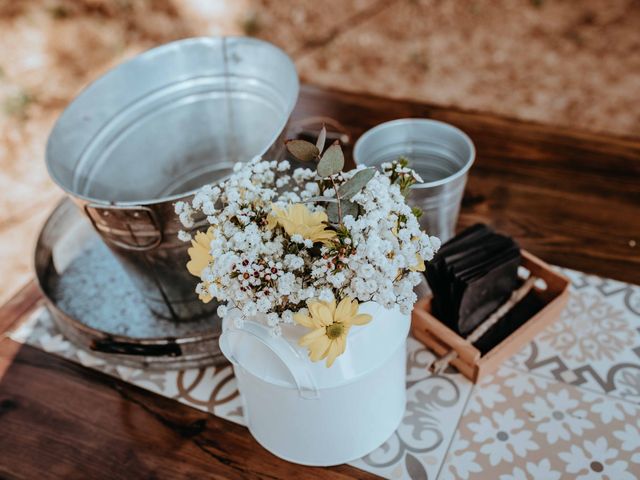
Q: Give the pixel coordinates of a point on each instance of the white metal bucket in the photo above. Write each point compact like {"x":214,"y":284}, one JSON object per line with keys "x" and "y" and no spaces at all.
{"x":307,"y":413}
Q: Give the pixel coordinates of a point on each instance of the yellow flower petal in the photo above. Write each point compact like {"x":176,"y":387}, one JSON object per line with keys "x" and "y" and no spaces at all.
{"x":297,"y":219}
{"x":418,"y":267}
{"x":318,"y":349}
{"x":344,"y":309}
{"x":205,"y":297}
{"x":331,"y":306}
{"x":199,"y":261}
{"x":299,"y":212}
{"x":322,"y":312}
{"x":309,"y":338}
{"x":354,"y":308}
{"x":342,"y":344}
{"x":199,"y":252}
{"x":332,"y":353}
{"x":304,"y":320}
{"x":272,"y":222}
{"x":331,"y":326}
{"x":361,"y":319}
{"x":325,"y":316}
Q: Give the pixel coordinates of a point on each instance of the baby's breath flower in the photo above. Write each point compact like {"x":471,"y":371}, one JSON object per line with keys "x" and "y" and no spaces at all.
{"x":184,"y":236}
{"x":179,"y":207}
{"x":283,"y":166}
{"x":271,"y":254}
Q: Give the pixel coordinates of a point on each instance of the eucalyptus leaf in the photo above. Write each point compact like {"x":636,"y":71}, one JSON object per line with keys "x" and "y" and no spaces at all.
{"x":331,"y":162}
{"x":348,"y":208}
{"x":356,"y":183}
{"x":321,"y":199}
{"x":332,"y":213}
{"x":322,"y":138}
{"x":303,"y":150}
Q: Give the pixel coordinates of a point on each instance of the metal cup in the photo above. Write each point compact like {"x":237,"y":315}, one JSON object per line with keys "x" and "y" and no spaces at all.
{"x":152,"y":131}
{"x":440,"y":153}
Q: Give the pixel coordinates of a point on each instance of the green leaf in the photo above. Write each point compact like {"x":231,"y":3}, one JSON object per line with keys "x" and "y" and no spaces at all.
{"x":356,"y":183}
{"x":322,"y":138}
{"x":321,"y":199}
{"x":331,"y":162}
{"x":302,"y":150}
{"x":332,"y":213}
{"x":348,"y":208}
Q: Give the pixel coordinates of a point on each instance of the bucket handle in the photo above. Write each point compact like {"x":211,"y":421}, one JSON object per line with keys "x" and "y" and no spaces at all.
{"x":125,"y":225}
{"x":280,"y":347}
{"x":312,"y":125}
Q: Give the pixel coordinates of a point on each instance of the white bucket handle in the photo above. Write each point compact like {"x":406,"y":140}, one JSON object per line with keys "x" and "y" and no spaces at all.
{"x":280,"y":347}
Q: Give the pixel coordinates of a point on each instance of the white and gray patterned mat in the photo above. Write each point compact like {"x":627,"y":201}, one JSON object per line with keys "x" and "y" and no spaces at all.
{"x":566,"y":406}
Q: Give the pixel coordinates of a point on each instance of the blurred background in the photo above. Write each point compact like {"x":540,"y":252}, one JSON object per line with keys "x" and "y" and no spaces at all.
{"x":561,"y":62}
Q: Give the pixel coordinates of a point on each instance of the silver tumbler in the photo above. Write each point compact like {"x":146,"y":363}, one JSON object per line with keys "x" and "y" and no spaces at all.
{"x":440,"y":153}
{"x":156,"y":128}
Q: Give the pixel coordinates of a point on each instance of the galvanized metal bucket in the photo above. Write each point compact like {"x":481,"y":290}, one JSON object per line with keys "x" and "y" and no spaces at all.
{"x":156,"y":128}
{"x":94,"y":304}
{"x":440,"y":153}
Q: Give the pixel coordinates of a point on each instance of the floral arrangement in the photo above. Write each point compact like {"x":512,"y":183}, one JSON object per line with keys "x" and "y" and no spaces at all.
{"x":308,"y":246}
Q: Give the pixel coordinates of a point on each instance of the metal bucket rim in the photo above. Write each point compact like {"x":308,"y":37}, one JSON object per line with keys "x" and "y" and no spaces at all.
{"x":140,"y":58}
{"x":422,"y":121}
{"x":58,"y":314}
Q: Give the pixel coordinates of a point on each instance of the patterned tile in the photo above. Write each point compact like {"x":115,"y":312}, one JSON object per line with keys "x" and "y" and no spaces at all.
{"x":521,"y":426}
{"x":416,"y":450}
{"x":565,"y":406}
{"x":212,"y":389}
{"x":596,"y":342}
{"x":434,"y":404}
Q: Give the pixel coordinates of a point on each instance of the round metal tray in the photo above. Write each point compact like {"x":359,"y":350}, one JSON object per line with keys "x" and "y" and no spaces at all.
{"x":96,"y":306}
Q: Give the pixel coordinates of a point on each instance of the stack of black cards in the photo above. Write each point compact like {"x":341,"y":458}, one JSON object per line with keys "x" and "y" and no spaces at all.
{"x":472,"y":275}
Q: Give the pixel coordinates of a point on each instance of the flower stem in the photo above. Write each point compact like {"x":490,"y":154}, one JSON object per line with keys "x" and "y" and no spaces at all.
{"x":335,"y":189}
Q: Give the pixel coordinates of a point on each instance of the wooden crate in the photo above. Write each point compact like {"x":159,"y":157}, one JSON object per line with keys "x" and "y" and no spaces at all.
{"x":470,"y":362}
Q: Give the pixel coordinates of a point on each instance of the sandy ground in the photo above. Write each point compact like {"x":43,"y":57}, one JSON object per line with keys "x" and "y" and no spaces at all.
{"x":567,"y":63}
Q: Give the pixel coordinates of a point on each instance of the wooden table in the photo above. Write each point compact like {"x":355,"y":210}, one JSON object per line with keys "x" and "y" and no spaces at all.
{"x":572,"y":198}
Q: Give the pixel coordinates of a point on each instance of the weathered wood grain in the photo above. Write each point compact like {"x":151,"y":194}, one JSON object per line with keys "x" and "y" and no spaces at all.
{"x":19,"y":305}
{"x":60,"y":420}
{"x":570,"y":197}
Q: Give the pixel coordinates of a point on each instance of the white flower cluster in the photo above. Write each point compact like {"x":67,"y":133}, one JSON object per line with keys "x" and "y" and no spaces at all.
{"x":259,"y":264}
{"x":390,"y":249}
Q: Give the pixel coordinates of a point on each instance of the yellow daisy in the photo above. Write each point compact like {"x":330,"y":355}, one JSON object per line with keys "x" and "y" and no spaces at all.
{"x":204,"y":295}
{"x":298,"y":219}
{"x":419,"y":266}
{"x":200,"y":258}
{"x":199,"y":253}
{"x":330,"y":326}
